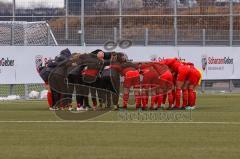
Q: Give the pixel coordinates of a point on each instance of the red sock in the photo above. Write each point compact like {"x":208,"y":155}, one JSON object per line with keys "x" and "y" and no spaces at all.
{"x":190,"y":97}
{"x":178,"y":98}
{"x":153,"y":100}
{"x":174,"y":96}
{"x":170,"y":99}
{"x":94,"y":103}
{"x":125,"y":100}
{"x":156,"y":100}
{"x":195,"y":98}
{"x":164,"y":98}
{"x":79,"y":105}
{"x":138,"y":101}
{"x":160,"y":99}
{"x":185,"y":98}
{"x":144,"y":101}
{"x":49,"y":99}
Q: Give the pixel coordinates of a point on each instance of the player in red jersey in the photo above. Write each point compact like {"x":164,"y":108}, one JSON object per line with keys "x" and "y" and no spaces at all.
{"x":193,"y":81}
{"x":182,"y":72}
{"x":165,"y":83}
{"x":149,"y":84}
{"x":129,"y":71}
{"x":49,"y":93}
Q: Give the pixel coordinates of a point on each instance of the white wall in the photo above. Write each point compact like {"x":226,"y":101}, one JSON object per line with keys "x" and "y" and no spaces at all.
{"x":22,"y":60}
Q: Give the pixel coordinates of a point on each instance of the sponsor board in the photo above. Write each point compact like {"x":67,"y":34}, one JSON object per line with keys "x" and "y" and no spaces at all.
{"x":7,"y":68}
{"x":18,"y":63}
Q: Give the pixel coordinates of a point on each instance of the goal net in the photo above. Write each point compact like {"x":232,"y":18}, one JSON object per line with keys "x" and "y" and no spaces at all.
{"x":26,"y":33}
{"x":21,"y":33}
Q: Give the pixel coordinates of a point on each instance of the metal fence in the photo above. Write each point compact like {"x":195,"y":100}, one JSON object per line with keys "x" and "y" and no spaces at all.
{"x":208,"y":87}
{"x":145,"y":22}
{"x":26,"y":33}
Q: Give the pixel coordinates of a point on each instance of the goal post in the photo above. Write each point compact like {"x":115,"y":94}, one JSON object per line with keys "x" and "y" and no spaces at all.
{"x":26,"y":33}
{"x":22,"y":33}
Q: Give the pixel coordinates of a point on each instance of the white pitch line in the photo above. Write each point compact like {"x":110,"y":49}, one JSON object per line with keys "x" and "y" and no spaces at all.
{"x":93,"y":119}
{"x":122,"y":122}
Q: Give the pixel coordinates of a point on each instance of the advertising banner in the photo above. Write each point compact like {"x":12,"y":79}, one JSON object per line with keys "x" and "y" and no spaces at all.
{"x":18,"y":63}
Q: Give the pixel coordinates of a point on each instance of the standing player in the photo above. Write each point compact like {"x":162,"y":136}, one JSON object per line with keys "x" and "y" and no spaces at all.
{"x":129,"y":71}
{"x":182,"y":72}
{"x":149,"y":82}
{"x":45,"y":71}
{"x":44,"y":74}
{"x":92,"y":65}
{"x":193,"y":81}
{"x":61,"y":90}
{"x":108,"y":82}
{"x":75,"y":78}
{"x":165,"y":84}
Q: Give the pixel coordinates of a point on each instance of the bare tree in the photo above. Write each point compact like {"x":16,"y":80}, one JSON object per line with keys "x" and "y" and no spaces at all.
{"x":5,"y":7}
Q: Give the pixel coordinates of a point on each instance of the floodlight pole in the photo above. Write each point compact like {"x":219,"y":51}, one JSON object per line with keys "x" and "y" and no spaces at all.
{"x":13,"y":10}
{"x":13,"y":19}
{"x":204,"y":37}
{"x":146,"y":36}
{"x":175,"y":24}
{"x":115,"y":34}
{"x":82,"y":24}
{"x":66,"y":19}
{"x":231,"y":23}
{"x":120,"y":19}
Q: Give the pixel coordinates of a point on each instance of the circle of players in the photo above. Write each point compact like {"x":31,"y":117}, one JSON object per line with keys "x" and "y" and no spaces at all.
{"x":98,"y":73}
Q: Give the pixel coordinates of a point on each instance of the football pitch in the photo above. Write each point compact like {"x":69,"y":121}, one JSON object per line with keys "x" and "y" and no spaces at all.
{"x":29,"y":130}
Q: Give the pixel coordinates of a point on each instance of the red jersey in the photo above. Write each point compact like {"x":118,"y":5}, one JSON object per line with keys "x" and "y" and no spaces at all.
{"x":174,"y":63}
{"x":147,"y":67}
{"x":160,"y":68}
{"x":123,"y":68}
{"x":189,"y":64}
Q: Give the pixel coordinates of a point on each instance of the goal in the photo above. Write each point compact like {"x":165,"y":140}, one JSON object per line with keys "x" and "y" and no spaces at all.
{"x":26,"y":33}
{"x":21,"y":33}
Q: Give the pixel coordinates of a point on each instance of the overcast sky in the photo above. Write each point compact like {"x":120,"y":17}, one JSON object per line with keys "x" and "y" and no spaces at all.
{"x":31,"y":3}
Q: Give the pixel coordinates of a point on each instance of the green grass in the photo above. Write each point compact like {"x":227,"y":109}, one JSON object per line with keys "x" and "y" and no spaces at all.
{"x":213,"y":132}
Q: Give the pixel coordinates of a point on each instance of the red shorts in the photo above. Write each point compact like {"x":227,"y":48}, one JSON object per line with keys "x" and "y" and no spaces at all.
{"x":183,"y":72}
{"x":150,"y":79}
{"x":166,"y":81}
{"x":194,"y":76}
{"x":167,"y":76}
{"x":131,"y":79}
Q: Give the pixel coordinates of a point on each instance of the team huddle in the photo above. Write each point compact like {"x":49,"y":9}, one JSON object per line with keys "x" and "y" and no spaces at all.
{"x":99,"y":74}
